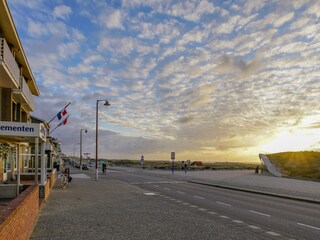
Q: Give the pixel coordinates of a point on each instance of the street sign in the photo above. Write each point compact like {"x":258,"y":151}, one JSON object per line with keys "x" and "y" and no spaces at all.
{"x":173,"y":155}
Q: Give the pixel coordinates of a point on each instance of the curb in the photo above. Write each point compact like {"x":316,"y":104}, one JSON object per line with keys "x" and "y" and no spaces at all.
{"x":309,"y":200}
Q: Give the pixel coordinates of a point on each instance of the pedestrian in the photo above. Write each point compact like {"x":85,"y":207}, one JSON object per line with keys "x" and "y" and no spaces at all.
{"x":104,"y":166}
{"x":142,"y":161}
{"x":185,"y":167}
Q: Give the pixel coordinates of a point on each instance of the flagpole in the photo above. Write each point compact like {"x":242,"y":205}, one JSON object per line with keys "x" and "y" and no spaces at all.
{"x":64,"y":122}
{"x":55,"y":128}
{"x":56,"y":114}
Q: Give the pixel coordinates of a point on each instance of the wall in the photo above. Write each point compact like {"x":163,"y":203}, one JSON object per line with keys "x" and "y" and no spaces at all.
{"x":20,"y":215}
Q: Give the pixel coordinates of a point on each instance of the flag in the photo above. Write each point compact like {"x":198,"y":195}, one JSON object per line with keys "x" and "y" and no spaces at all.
{"x":64,"y":122}
{"x":61,"y":114}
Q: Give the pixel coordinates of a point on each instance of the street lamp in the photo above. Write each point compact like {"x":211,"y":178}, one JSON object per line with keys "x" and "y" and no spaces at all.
{"x":105,"y":104}
{"x":85,"y":130}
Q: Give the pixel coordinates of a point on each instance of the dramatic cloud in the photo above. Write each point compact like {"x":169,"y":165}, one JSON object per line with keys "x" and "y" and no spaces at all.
{"x":212,"y":80}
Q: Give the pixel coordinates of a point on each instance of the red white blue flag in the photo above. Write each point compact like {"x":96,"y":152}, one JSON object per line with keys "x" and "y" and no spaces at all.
{"x":61,"y":114}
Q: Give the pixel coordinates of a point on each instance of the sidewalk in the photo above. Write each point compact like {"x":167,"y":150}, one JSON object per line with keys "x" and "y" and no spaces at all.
{"x":247,"y":180}
{"x":110,"y":209}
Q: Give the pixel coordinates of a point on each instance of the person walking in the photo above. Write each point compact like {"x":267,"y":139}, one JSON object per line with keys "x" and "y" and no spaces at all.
{"x":142,"y":161}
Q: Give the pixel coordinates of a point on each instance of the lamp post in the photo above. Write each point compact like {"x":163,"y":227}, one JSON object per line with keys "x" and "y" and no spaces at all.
{"x":97,"y":114}
{"x":85,"y":130}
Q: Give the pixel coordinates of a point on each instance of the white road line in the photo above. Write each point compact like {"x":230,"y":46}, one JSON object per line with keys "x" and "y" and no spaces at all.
{"x":273,"y":234}
{"x":253,"y":227}
{"x":179,"y":201}
{"x":202,"y":209}
{"x":184,"y":203}
{"x":155,"y":185}
{"x":237,"y":221}
{"x":222,"y":216}
{"x":193,"y":206}
{"x":181,"y":192}
{"x":198,"y":197}
{"x":150,"y":193}
{"x":166,"y":188}
{"x":305,"y":225}
{"x":212,"y":213}
{"x":263,"y":214}
{"x":224,"y":204}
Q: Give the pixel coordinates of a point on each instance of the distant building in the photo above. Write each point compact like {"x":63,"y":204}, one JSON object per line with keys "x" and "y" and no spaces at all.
{"x":197,"y":163}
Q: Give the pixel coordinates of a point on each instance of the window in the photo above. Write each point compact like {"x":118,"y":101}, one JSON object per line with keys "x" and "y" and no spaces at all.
{"x":15,"y":112}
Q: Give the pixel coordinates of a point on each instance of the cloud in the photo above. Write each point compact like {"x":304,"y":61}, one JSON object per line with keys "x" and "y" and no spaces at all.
{"x":232,"y":64}
{"x":62,"y":11}
{"x":112,"y":20}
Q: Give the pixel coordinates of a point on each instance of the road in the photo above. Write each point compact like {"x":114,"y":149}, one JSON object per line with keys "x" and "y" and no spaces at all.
{"x":265,"y":216}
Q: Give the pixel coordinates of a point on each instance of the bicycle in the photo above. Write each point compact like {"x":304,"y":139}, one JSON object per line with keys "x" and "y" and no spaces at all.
{"x":65,"y":178}
{"x":64,"y":181}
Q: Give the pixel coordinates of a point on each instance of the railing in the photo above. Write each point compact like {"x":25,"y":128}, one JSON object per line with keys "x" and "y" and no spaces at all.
{"x":10,"y":63}
{"x":24,"y":94}
{"x":27,"y":93}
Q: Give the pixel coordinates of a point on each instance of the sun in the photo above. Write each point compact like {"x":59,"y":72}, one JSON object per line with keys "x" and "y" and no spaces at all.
{"x":292,"y":141}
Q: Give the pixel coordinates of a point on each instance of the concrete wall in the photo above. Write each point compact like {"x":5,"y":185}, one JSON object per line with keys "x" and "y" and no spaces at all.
{"x":18,"y":218}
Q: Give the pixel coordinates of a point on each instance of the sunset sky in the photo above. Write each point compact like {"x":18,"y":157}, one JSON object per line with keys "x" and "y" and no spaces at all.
{"x":210,"y":80}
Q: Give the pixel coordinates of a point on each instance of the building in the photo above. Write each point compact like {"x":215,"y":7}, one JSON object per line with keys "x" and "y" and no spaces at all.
{"x":17,"y":91}
{"x":26,"y":150}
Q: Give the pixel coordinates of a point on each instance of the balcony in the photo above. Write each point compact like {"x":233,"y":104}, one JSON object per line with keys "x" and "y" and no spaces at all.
{"x":9,"y":69}
{"x":24,"y":95}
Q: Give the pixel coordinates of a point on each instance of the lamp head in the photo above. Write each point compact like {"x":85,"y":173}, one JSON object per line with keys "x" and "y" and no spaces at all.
{"x":106,"y":103}
{"x":86,"y":131}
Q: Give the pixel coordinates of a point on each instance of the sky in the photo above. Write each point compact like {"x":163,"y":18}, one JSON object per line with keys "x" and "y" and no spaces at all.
{"x":208,"y":80}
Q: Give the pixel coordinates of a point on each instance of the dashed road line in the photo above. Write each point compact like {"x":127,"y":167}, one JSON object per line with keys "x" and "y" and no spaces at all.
{"x":181,"y":192}
{"x":193,"y":206}
{"x":273,"y":234}
{"x":213,"y":213}
{"x":237,"y":221}
{"x":150,"y":194}
{"x":155,"y":185}
{"x":253,"y":227}
{"x":223,"y":216}
{"x":260,"y":213}
{"x":202,"y":209}
{"x":166,"y":188}
{"x":198,"y":197}
{"x":225,"y":204}
{"x":305,"y":225}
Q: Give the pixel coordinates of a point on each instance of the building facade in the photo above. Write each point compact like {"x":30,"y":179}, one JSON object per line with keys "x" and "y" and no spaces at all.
{"x":18,"y":135}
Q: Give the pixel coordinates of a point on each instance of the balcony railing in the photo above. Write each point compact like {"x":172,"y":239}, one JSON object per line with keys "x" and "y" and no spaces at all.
{"x":9,"y":70}
{"x":24,"y":95}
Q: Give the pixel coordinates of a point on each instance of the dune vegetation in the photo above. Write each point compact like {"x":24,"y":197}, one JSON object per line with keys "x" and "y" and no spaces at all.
{"x":304,"y":164}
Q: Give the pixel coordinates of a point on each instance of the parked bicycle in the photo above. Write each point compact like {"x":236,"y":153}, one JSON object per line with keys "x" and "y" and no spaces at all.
{"x":65,"y":178}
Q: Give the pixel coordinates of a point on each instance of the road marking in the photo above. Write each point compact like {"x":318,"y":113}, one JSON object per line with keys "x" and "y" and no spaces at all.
{"x":150,"y":193}
{"x":273,"y":234}
{"x":166,"y":188}
{"x":155,"y":185}
{"x":202,"y":209}
{"x":198,"y":197}
{"x":179,"y":201}
{"x":263,"y":214}
{"x":193,"y":206}
{"x":222,"y":216}
{"x":212,"y":213}
{"x":237,"y":221}
{"x":224,"y":204}
{"x":184,"y":203}
{"x":305,"y":225}
{"x":181,"y":192}
{"x":253,"y":226}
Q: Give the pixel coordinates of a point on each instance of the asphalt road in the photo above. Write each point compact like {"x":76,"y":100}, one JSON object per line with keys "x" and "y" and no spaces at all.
{"x":257,"y":215}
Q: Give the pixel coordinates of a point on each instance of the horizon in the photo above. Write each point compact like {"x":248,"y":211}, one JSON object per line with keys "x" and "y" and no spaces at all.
{"x":206,"y":79}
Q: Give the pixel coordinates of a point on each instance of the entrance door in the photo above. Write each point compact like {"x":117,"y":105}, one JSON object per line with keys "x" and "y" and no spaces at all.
{"x":6,"y":166}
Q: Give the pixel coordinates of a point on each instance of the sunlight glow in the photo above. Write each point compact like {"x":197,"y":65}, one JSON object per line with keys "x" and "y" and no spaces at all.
{"x":293,"y":141}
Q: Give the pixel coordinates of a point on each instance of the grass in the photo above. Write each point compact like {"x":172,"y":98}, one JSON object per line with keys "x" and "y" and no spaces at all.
{"x":178,"y":164}
{"x":304,"y":164}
